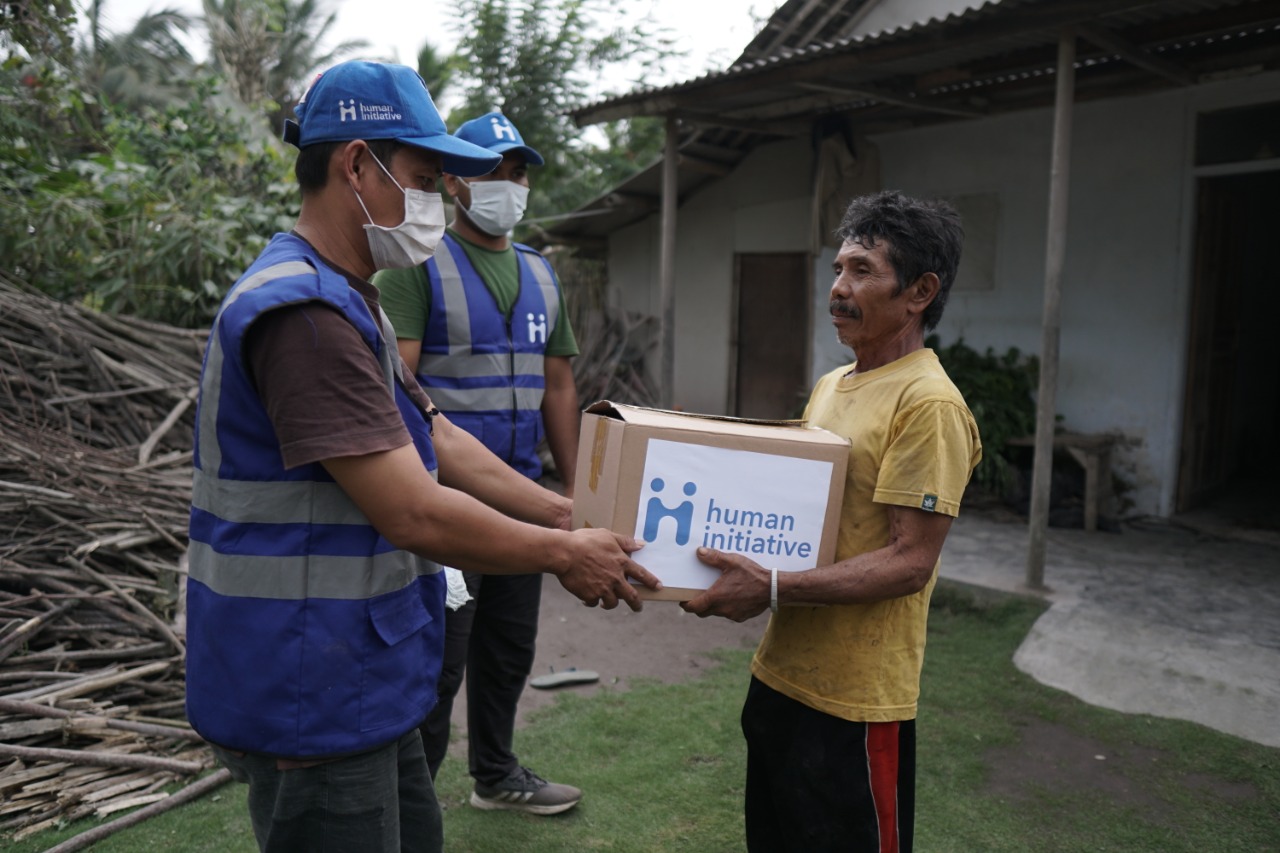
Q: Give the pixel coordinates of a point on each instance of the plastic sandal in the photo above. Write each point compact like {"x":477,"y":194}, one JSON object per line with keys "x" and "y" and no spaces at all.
{"x":568,"y":676}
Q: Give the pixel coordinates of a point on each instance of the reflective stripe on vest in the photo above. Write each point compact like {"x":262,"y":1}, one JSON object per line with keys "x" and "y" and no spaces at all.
{"x":484,"y":371}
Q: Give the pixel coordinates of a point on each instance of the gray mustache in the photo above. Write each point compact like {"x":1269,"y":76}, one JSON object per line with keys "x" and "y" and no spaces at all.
{"x":840,"y":309}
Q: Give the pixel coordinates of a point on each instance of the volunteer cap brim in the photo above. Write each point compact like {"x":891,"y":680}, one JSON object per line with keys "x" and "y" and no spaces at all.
{"x":533,"y":158}
{"x":461,"y":158}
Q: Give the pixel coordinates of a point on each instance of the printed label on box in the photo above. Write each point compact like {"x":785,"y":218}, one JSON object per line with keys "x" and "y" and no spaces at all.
{"x":769,"y":508}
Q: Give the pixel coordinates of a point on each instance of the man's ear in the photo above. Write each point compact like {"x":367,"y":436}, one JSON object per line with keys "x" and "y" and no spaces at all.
{"x":451,"y":183}
{"x":922,"y":292}
{"x":352,"y":159}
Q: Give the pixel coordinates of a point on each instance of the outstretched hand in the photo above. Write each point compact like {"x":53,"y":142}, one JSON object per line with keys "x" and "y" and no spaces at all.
{"x":741,"y":591}
{"x":599,"y":568}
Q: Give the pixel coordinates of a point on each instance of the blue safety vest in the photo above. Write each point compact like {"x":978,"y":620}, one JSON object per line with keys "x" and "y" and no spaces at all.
{"x":483,"y":370}
{"x":308,"y":633}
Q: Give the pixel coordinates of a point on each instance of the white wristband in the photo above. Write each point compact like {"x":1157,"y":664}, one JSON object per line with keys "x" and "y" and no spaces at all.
{"x":773,"y":590}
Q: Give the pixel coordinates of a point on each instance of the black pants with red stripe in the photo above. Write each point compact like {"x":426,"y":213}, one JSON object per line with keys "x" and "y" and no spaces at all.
{"x":819,"y":784}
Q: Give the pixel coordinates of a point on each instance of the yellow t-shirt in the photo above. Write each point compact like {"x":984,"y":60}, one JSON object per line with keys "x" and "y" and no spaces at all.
{"x":914,"y":443}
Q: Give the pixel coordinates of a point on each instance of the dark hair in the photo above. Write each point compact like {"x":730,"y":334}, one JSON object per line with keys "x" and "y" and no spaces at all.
{"x":921,"y":236}
{"x":312,"y":166}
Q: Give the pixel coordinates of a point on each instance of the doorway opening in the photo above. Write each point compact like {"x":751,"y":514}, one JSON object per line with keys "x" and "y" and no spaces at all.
{"x":1230,"y":456}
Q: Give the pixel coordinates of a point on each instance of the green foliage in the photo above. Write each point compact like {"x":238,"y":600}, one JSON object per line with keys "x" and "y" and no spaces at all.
{"x":536,"y":60}
{"x":156,"y":214}
{"x":999,"y":390}
{"x":128,"y":181}
{"x":37,"y":28}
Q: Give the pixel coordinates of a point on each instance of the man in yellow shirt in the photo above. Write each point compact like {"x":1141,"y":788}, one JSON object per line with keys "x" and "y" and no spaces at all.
{"x":830,"y":714}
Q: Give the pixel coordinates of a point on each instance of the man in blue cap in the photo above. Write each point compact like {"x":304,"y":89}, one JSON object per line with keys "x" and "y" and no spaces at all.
{"x":328,"y":490}
{"x":484,"y":323}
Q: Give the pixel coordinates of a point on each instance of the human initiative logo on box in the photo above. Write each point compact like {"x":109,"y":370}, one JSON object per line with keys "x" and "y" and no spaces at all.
{"x":769,"y":508}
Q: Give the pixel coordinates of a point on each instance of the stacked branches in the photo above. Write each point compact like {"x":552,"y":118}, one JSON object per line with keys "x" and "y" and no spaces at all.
{"x":613,"y":343}
{"x":96,"y":416}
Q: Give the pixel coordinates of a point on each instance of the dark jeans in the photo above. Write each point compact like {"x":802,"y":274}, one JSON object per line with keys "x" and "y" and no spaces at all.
{"x":491,"y":639}
{"x":820,"y":784}
{"x":381,"y":801}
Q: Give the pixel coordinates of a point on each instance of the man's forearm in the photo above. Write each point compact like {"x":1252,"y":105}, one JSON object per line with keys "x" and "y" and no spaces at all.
{"x":562,"y":419}
{"x":469,"y":466}
{"x":902,"y":567}
{"x":416,"y":513}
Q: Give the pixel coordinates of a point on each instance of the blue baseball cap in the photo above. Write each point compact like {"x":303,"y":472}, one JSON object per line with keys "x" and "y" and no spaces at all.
{"x":377,"y":100}
{"x":495,"y":132}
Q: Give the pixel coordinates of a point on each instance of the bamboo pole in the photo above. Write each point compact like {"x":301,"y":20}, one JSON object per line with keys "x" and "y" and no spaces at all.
{"x":100,"y":758}
{"x":132,"y":603}
{"x":667,"y":267}
{"x":1055,"y":257}
{"x":193,"y":791}
{"x":34,"y":709}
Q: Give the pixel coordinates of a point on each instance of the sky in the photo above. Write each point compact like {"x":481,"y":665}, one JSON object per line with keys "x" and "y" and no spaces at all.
{"x":708,"y":34}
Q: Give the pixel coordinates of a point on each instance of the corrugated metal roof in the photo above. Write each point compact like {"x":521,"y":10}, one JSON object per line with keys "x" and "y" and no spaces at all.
{"x":998,"y":56}
{"x":931,"y":34}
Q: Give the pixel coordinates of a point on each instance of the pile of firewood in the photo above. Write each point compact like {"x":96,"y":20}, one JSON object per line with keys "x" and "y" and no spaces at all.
{"x":96,"y":416}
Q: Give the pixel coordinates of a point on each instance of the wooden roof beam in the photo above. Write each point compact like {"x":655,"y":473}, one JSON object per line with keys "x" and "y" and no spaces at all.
{"x":702,"y":164}
{"x":915,"y":103}
{"x":1135,"y":54}
{"x":774,"y":128}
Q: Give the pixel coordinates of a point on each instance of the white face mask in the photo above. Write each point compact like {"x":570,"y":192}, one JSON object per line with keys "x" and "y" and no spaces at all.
{"x":411,"y":242}
{"x":497,"y":206}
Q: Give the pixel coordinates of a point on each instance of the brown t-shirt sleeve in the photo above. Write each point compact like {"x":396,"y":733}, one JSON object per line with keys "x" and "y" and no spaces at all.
{"x":322,"y":386}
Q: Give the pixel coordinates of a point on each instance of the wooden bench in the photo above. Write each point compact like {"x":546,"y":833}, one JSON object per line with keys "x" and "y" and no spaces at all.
{"x":1093,"y":452}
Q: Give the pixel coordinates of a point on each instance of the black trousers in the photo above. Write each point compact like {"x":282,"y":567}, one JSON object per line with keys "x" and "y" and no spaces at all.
{"x":491,"y":640}
{"x":820,"y":784}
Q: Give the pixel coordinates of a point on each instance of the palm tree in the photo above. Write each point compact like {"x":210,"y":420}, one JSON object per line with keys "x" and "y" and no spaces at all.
{"x":243,"y":39}
{"x":146,"y":66}
{"x":438,"y":71}
{"x":267,"y":49}
{"x":303,"y":27}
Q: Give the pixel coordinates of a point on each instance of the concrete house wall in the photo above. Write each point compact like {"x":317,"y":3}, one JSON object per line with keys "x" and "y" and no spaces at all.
{"x":1127,"y":281}
{"x":763,"y":206}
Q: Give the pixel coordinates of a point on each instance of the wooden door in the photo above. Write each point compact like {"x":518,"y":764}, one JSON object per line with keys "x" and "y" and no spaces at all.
{"x":772,"y":335}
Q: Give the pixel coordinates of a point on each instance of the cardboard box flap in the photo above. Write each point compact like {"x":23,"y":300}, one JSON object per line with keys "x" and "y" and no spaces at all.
{"x":666,"y":418}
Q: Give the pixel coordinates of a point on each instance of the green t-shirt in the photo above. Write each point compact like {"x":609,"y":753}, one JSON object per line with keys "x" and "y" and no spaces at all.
{"x":406,"y":294}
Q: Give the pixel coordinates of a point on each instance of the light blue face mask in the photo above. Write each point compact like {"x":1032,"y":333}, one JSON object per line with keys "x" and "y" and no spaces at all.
{"x":497,"y":206}
{"x":414,"y":240}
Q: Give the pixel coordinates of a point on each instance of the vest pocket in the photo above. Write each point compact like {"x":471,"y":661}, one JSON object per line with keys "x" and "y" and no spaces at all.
{"x":398,"y":615}
{"x":395,"y":684}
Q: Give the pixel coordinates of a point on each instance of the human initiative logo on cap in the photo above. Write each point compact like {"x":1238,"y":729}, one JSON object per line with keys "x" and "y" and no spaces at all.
{"x":377,"y":100}
{"x":495,"y":132}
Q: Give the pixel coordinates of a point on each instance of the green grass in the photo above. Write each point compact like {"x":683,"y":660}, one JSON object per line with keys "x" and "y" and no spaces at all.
{"x":1005,"y":764}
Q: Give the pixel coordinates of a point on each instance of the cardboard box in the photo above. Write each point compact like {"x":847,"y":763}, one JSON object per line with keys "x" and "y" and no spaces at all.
{"x":770,"y":490}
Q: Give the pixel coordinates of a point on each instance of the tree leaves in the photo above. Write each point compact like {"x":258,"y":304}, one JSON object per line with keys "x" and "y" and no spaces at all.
{"x":536,"y":60}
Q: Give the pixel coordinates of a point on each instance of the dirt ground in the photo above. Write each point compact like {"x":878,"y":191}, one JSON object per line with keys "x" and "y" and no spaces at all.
{"x":661,"y":643}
